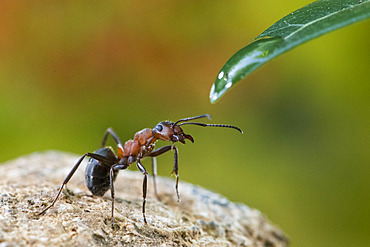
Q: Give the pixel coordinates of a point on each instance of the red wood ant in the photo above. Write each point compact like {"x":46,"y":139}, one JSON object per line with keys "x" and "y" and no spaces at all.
{"x":104,"y":165}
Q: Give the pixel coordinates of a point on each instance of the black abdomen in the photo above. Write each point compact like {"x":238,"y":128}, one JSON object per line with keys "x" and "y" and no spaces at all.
{"x":97,"y":173}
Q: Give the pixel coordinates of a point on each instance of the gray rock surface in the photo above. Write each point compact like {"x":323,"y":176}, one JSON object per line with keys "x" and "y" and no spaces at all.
{"x":202,"y":218}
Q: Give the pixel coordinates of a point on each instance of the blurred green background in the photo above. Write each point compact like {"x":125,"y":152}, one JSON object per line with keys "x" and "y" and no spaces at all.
{"x":70,"y":69}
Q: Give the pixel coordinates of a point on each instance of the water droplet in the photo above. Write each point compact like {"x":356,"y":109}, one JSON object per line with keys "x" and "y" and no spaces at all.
{"x":220,"y":75}
{"x":213,"y":96}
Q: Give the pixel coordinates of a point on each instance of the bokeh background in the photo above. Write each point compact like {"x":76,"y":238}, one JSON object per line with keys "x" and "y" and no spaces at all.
{"x":70,"y":69}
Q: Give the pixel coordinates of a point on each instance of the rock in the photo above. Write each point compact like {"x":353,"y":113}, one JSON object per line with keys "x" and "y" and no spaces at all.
{"x":202,"y":218}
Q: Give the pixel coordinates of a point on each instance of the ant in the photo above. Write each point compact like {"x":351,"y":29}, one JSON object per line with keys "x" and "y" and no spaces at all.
{"x":104,"y":165}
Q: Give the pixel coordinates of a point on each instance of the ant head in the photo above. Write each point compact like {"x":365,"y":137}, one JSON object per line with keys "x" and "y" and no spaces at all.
{"x":169,"y":131}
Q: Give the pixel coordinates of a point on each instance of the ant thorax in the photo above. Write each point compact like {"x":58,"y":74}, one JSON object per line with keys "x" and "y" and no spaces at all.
{"x":143,"y":136}
{"x":146,"y":150}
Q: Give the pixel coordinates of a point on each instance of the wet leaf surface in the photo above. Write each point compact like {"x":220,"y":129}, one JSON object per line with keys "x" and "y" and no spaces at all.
{"x":294,"y":29}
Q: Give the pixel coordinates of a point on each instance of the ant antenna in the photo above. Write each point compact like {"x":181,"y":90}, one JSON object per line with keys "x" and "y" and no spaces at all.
{"x":192,"y":118}
{"x":213,"y":125}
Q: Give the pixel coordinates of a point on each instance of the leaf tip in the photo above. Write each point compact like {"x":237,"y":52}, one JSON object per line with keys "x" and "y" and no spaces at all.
{"x":213,"y":96}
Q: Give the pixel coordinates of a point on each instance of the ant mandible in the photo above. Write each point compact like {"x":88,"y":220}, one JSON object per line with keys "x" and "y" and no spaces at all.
{"x":104,"y":165}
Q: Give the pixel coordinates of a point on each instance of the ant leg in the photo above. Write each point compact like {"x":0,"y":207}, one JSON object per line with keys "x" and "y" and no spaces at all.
{"x":176,"y":171}
{"x":116,"y":139}
{"x":69,"y":176}
{"x":113,"y":134}
{"x":111,"y":178}
{"x":153,"y":154}
{"x":154,"y":170}
{"x":145,"y":182}
{"x":160,"y":151}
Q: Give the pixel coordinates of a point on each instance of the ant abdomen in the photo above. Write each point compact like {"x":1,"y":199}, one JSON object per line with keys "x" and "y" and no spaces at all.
{"x":97,"y":173}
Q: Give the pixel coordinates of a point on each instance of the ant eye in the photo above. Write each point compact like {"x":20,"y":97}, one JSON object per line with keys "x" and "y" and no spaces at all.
{"x":158,"y":127}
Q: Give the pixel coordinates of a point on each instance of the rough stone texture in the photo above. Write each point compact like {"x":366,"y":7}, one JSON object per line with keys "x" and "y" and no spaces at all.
{"x":202,"y":218}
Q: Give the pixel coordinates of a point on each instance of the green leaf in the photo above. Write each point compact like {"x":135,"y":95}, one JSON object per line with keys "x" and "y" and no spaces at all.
{"x":294,"y":29}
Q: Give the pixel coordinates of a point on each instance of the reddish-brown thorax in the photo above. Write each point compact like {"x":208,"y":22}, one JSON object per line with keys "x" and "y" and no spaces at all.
{"x":142,"y":138}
